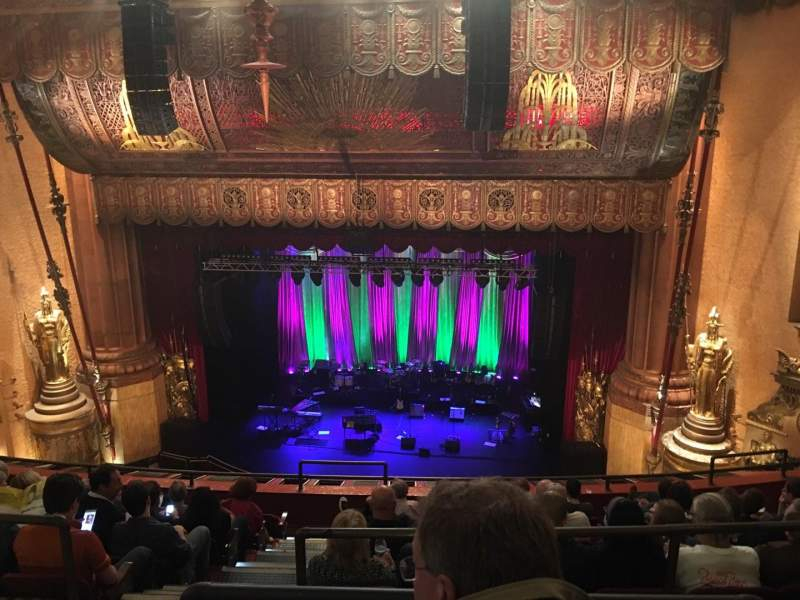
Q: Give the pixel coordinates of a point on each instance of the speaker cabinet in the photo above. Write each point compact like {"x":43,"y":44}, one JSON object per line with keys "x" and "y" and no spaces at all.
{"x":424,"y":453}
{"x":147,"y":29}
{"x":408,"y":443}
{"x":488,"y":59}
{"x":452,"y":444}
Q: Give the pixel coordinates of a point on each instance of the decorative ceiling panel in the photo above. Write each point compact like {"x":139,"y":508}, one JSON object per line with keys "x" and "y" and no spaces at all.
{"x":376,"y":88}
{"x":569,"y":205}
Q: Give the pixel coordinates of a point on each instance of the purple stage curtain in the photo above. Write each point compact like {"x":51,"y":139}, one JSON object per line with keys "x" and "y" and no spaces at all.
{"x":291,"y":323}
{"x":468,"y":316}
{"x":513,"y":358}
{"x":381,"y":309}
{"x":341,"y":346}
{"x":424,"y":307}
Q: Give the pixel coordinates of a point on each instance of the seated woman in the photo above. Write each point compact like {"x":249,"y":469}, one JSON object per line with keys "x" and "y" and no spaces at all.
{"x":242,"y":506}
{"x":715,"y":561}
{"x":348,"y":562}
{"x":204,"y":509}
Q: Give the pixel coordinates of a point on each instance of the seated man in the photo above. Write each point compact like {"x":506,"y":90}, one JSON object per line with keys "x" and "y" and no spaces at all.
{"x":483,"y":534}
{"x":179,"y":557}
{"x":105,"y":484}
{"x":575,"y":518}
{"x":715,"y":561}
{"x":779,"y":560}
{"x":404,"y":506}
{"x":574,"y":500}
{"x":38,"y":549}
{"x":382,"y":503}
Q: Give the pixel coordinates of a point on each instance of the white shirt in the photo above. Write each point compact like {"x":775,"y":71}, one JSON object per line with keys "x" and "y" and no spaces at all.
{"x":577,"y":519}
{"x":737,"y":566}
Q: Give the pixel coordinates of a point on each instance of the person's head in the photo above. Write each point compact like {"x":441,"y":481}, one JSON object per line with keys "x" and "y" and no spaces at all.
{"x":681,"y":493}
{"x":792,"y":513}
{"x":347,"y":553}
{"x":3,"y":478}
{"x":480,"y":534}
{"x":663,"y":487}
{"x":61,"y":495}
{"x":400,"y":489}
{"x":136,"y":499}
{"x":791,"y":491}
{"x":4,"y":468}
{"x":668,"y":512}
{"x":154,"y":492}
{"x":712,"y":508}
{"x":244,"y":488}
{"x":554,"y":506}
{"x":624,"y":511}
{"x":382,"y":502}
{"x":734,"y":500}
{"x":521,"y":483}
{"x":547,"y":486}
{"x":203,"y":508}
{"x":24,"y":479}
{"x":177,"y":492}
{"x":106,"y":481}
{"x":753,"y":501}
{"x":573,"y":489}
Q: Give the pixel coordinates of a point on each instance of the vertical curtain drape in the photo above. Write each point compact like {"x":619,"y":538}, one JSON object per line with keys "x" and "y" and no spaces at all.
{"x":292,"y":349}
{"x":446,"y":317}
{"x":468,"y":311}
{"x":314,"y":313}
{"x":515,"y":333}
{"x":381,"y":309}
{"x":337,"y":311}
{"x":488,"y":348}
{"x":359,"y":316}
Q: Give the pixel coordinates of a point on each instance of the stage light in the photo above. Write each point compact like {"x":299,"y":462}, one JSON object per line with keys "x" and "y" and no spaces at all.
{"x":298,"y":275}
{"x":437,"y":277}
{"x":315,"y":273}
{"x":355,"y":277}
{"x":482,"y":278}
{"x":503,"y":279}
{"x":398,"y":277}
{"x":418,"y":277}
{"x":522,"y":283}
{"x":377,"y":278}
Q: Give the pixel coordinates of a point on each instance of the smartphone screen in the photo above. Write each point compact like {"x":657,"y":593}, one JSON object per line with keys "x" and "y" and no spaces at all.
{"x":169,"y":510}
{"x":88,"y":520}
{"x":283,"y":517}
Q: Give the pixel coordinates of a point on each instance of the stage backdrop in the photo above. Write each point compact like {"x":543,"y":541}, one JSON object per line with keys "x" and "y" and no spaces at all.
{"x":457,"y":322}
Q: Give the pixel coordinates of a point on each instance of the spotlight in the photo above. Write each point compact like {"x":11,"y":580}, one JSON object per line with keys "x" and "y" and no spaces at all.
{"x":377,"y":277}
{"x":482,"y":278}
{"x":355,"y":277}
{"x":503,"y":279}
{"x":522,"y":283}
{"x":398,"y":277}
{"x":315,"y":273}
{"x":418,"y":277}
{"x":298,"y":275}
{"x":437,"y":277}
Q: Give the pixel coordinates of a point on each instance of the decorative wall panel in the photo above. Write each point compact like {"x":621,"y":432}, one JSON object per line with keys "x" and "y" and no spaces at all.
{"x":609,"y":205}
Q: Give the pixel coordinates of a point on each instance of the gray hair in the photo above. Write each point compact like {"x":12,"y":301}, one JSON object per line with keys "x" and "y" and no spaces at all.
{"x":400,"y":488}
{"x":26,"y":478}
{"x":3,"y":477}
{"x":485,"y":533}
{"x":712,"y":508}
{"x":4,"y":468}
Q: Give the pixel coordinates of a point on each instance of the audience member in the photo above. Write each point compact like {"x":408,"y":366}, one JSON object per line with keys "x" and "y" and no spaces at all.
{"x":8,"y":531}
{"x":105,"y":484}
{"x":682,"y":493}
{"x":779,"y":561}
{"x":575,"y":518}
{"x":477,"y":535}
{"x":156,"y":497}
{"x":521,"y":483}
{"x":753,"y":510}
{"x":668,"y":512}
{"x":404,"y":506}
{"x":38,"y":549}
{"x":176,"y":497}
{"x":635,"y":561}
{"x":574,"y":500}
{"x":179,"y":557}
{"x":734,"y":501}
{"x":790,"y":493}
{"x":715,"y":561}
{"x":663,"y":487}
{"x":205,"y":510}
{"x":382,"y":504}
{"x":577,"y":559}
{"x":349,"y":562}
{"x":27,"y":478}
{"x":241,"y":505}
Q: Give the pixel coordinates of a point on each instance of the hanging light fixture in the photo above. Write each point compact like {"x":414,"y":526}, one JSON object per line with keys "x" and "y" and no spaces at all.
{"x":482,"y":278}
{"x":522,"y":283}
{"x":377,"y":277}
{"x":398,"y":277}
{"x":298,"y":275}
{"x":417,"y":277}
{"x":436,"y":276}
{"x":503,"y":279}
{"x":354,"y":275}
{"x":315,"y":273}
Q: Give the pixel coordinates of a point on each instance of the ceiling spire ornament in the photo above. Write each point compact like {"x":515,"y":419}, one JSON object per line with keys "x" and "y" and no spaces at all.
{"x":262,"y":14}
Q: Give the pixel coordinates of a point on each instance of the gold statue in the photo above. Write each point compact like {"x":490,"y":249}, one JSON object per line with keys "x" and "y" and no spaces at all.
{"x":179,"y":379}
{"x":709,"y":360}
{"x":590,"y":399}
{"x":49,"y":333}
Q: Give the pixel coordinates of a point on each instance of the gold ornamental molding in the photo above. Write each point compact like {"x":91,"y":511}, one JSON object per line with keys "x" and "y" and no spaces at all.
{"x":81,"y":37}
{"x":532,"y":205}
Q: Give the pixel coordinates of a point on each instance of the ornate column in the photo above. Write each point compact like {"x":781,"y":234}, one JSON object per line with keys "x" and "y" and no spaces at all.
{"x":109,"y":270}
{"x":633,"y":386}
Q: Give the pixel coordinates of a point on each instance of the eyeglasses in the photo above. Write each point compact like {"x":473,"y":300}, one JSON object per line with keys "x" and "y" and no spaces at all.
{"x":408,"y":569}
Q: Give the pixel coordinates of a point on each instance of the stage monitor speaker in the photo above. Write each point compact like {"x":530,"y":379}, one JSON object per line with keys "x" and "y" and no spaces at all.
{"x":424,"y":453}
{"x":408,"y":443}
{"x":147,"y":29}
{"x":452,"y":444}
{"x":488,"y":59}
{"x":457,"y":413}
{"x":417,"y":410}
{"x":582,"y":458}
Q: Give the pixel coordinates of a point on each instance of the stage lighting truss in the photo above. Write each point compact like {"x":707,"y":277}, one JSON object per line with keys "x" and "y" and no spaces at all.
{"x":503,"y":270}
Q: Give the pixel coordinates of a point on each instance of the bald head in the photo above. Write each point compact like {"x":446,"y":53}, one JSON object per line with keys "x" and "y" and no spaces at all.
{"x":383,"y":501}
{"x":554,"y":506}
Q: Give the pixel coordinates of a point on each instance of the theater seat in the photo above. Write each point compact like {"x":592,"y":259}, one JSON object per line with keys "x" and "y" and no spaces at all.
{"x":760,"y":592}
{"x":54,"y":587}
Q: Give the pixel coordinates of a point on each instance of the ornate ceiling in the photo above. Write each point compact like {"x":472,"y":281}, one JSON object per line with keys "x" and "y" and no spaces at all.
{"x":374,"y":89}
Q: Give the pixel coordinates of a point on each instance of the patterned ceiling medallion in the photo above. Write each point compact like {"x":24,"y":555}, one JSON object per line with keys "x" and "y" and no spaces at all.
{"x":298,"y":198}
{"x":501,"y":200}
{"x":364,"y":199}
{"x":431,"y":199}
{"x":234,"y":197}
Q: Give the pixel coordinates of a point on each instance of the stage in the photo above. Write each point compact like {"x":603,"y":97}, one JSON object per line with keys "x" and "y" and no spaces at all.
{"x":241,"y":443}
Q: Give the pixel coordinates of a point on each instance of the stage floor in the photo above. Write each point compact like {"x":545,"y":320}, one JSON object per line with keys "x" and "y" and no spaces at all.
{"x":242,"y":444}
